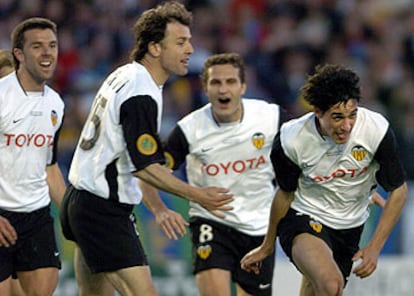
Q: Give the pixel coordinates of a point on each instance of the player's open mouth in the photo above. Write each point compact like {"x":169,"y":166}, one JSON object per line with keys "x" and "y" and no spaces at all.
{"x":342,"y":136}
{"x":224,"y":100}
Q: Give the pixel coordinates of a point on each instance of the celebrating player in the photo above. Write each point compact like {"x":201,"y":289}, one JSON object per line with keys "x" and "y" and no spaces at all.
{"x":119,"y":144}
{"x":31,"y":117}
{"x":327,"y":164}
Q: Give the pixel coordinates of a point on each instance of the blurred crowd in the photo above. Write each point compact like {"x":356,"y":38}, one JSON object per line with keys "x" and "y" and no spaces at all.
{"x":281,"y":41}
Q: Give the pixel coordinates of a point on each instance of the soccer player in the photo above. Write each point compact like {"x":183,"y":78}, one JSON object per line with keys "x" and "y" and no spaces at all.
{"x":227,"y":143}
{"x":327,"y":163}
{"x":6,"y":67}
{"x":31,"y":115}
{"x":120,"y":143}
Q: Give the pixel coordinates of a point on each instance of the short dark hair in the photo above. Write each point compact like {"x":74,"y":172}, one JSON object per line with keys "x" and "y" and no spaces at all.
{"x":233,"y":59}
{"x":17,"y":35}
{"x":6,"y":58}
{"x":152,"y":24}
{"x":329,"y":85}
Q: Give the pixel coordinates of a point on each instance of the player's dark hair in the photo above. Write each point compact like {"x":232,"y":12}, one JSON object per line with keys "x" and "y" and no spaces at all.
{"x":17,"y":35}
{"x":6,"y":58}
{"x":329,"y":85}
{"x":152,"y":24}
{"x":233,"y":59}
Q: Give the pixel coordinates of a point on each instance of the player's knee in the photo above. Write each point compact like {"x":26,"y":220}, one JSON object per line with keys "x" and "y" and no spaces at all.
{"x":40,"y":292}
{"x":332,"y":286}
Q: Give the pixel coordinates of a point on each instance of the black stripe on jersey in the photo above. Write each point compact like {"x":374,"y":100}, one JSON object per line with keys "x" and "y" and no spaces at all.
{"x":177,"y":146}
{"x":111,"y":174}
{"x":55,"y":144}
{"x":391,"y":174}
{"x":284,"y":116}
{"x":138,"y":116}
{"x":287,"y":172}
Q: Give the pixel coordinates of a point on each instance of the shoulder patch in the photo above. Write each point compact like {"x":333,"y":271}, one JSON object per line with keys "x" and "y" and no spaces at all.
{"x":146,"y":144}
{"x":169,"y":160}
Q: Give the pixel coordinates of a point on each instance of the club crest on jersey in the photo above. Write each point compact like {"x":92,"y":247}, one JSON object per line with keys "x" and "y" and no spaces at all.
{"x":146,"y":144}
{"x":258,"y":140}
{"x":316,"y":226}
{"x":169,"y":160}
{"x":359,"y":152}
{"x":204,"y":251}
{"x":53,"y":117}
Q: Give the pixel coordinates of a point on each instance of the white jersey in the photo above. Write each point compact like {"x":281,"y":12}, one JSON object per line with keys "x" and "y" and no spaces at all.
{"x":120,"y":136}
{"x":335,"y":180}
{"x":234,"y":156}
{"x":29,"y":125}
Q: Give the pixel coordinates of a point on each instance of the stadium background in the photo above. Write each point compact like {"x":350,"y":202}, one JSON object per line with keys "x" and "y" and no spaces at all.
{"x":281,"y":41}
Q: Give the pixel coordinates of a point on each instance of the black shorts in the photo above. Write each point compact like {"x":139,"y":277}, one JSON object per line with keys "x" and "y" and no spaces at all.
{"x":103,"y":229}
{"x":35,"y":246}
{"x":218,"y":246}
{"x":343,"y":243}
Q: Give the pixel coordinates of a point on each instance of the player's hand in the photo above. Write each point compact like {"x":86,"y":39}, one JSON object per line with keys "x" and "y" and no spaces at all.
{"x":8,"y":235}
{"x":367,"y":260}
{"x":377,"y":199}
{"x":172,"y":223}
{"x":216,"y":199}
{"x":252,"y":261}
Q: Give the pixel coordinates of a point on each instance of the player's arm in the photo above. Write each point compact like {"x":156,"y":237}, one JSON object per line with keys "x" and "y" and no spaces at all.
{"x":280,"y":206}
{"x":138,"y":118}
{"x":56,"y":183}
{"x":377,"y":199}
{"x":212,"y":198}
{"x":287,"y":175}
{"x":391,"y":176}
{"x":175,"y":152}
{"x":172,"y":223}
{"x":54,"y":176}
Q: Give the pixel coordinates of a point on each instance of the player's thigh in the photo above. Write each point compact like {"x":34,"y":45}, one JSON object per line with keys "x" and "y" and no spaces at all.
{"x":213,"y":282}
{"x":90,"y":284}
{"x":42,"y":280}
{"x":134,"y":281}
{"x":105,"y":231}
{"x":5,"y":287}
{"x":16,"y":288}
{"x":314,"y":258}
{"x":241,"y":292}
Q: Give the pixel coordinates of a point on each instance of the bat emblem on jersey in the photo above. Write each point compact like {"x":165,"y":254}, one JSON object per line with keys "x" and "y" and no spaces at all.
{"x":359,"y":152}
{"x":316,"y":226}
{"x":204,"y":251}
{"x":53,"y":117}
{"x":258,"y":140}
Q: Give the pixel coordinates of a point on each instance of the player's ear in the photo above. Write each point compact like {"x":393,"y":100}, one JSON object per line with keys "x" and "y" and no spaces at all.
{"x":318,"y":112}
{"x":244,"y":87}
{"x":18,"y":54}
{"x":154,"y":49}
